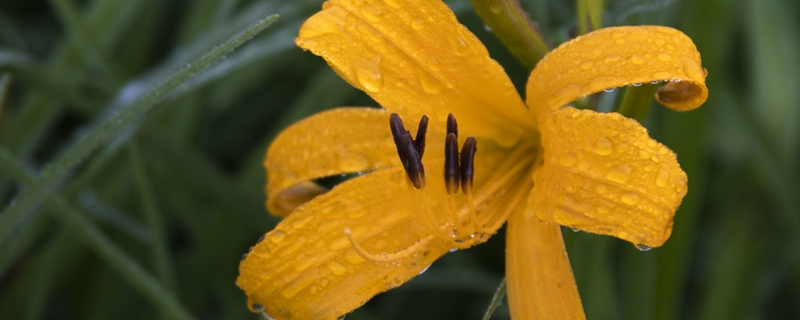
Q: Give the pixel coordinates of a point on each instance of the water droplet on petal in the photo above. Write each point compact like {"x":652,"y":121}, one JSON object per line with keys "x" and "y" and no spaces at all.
{"x":574,"y":229}
{"x":372,"y":12}
{"x":567,"y":160}
{"x":630,"y":198}
{"x":337,"y":268}
{"x":368,"y":74}
{"x":586,"y":65}
{"x":603,"y":146}
{"x":665,"y":57}
{"x":642,"y":247}
{"x":429,"y":84}
{"x":620,"y":173}
{"x":423,"y":270}
{"x":609,"y":90}
{"x":277,"y":236}
{"x":637,"y":59}
{"x":418,"y":24}
{"x":351,"y":162}
{"x":663,"y":178}
{"x":454,"y":250}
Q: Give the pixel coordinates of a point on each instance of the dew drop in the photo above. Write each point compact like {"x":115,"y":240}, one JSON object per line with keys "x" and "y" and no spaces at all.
{"x":372,"y":12}
{"x":368,"y":74}
{"x":661,"y":75}
{"x":662,"y":178}
{"x":459,"y":45}
{"x":637,"y":84}
{"x":339,"y":244}
{"x":335,"y":47}
{"x":612,"y":58}
{"x":655,"y":82}
{"x":601,"y":189}
{"x":603,"y":147}
{"x":609,"y":90}
{"x":423,"y":270}
{"x":575,"y":229}
{"x":637,"y":59}
{"x":276,"y":236}
{"x":630,"y":198}
{"x":586,"y":65}
{"x":418,"y":24}
{"x":567,"y":160}
{"x":337,"y":268}
{"x":642,"y":247}
{"x":257,"y":307}
{"x":620,"y":173}
{"x":429,"y":84}
{"x":453,"y":249}
{"x":351,"y":162}
{"x":665,"y":57}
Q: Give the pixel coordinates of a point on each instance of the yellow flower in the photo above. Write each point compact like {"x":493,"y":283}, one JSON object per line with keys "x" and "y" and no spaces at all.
{"x":539,"y":164}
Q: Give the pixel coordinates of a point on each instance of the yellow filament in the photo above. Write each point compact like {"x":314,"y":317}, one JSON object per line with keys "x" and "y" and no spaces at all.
{"x":385,"y":257}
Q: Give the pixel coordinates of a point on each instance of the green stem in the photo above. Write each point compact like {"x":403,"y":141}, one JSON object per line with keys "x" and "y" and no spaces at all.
{"x":512,"y":25}
{"x":497,"y":299}
{"x":81,"y":226}
{"x":637,"y":100}
{"x":590,"y":15}
{"x":22,"y":210}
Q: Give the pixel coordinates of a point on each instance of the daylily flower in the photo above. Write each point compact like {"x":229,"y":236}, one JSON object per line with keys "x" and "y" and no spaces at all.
{"x":538,"y":165}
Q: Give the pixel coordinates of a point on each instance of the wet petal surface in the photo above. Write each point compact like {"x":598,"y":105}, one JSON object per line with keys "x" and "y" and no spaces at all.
{"x":603,"y":174}
{"x":414,"y":58}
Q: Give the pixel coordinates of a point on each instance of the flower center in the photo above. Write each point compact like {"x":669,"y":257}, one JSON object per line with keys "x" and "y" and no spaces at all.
{"x":458,"y":168}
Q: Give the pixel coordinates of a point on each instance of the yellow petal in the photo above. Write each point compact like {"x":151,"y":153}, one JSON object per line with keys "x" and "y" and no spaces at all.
{"x":307,"y":269}
{"x":540,"y":280}
{"x":615,"y":57}
{"x":343,"y":140}
{"x":603,"y":174}
{"x":414,"y":58}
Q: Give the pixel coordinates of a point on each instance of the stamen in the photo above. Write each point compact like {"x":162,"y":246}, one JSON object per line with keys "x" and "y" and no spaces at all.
{"x":413,"y":163}
{"x":451,"y":171}
{"x":396,"y":124}
{"x":419,"y":140}
{"x":408,"y":149}
{"x":467,"y":163}
{"x":452,"y":125}
{"x":385,"y":257}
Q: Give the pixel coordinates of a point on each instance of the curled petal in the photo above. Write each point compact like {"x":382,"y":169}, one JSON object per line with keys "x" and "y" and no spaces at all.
{"x":414,"y":58}
{"x":603,"y":174}
{"x":540,"y":280}
{"x":615,"y":57}
{"x":343,"y":140}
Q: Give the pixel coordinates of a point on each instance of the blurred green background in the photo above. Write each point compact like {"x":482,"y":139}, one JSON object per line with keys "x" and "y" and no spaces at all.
{"x":150,"y":219}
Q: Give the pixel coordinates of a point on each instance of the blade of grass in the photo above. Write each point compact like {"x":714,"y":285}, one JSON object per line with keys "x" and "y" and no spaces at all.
{"x":497,"y":299}
{"x":90,"y":51}
{"x":153,"y":216}
{"x":19,"y":212}
{"x":77,"y":223}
